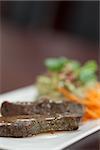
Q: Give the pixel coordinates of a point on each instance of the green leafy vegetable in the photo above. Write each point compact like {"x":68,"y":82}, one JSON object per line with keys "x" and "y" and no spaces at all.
{"x":72,"y":65}
{"x":55,"y":64}
{"x":69,"y":74}
{"x":87,"y":72}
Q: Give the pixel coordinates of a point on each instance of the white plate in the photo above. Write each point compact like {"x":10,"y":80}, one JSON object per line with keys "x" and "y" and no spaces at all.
{"x":55,"y":141}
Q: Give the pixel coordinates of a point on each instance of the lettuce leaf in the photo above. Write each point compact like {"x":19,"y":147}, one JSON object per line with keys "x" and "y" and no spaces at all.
{"x":88,"y":71}
{"x":55,"y":64}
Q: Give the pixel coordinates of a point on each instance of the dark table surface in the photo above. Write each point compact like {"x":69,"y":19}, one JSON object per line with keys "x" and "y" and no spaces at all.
{"x":91,"y":142}
{"x":22,"y":53}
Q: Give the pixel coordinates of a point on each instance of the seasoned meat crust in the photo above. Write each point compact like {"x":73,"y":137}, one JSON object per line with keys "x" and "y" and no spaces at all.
{"x":43,"y":106}
{"x":25,"y":126}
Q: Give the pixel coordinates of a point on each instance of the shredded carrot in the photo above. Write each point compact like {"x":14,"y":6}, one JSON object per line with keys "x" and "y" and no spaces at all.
{"x":68,"y":94}
{"x":91,"y":101}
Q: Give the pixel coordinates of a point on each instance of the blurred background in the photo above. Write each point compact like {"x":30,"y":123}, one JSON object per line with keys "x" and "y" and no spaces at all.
{"x":30,"y":31}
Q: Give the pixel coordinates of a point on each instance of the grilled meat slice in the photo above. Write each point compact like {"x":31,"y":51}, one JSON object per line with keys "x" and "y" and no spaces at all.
{"x":43,"y":106}
{"x":29,"y":125}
